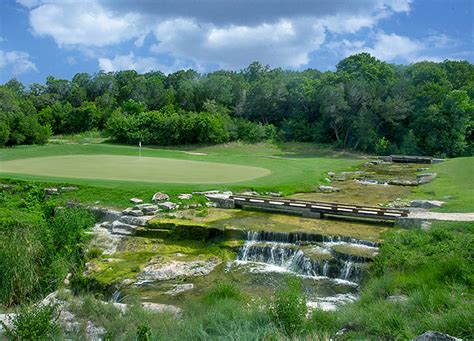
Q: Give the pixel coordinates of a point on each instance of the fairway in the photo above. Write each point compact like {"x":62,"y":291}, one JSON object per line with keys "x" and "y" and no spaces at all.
{"x":133,"y":168}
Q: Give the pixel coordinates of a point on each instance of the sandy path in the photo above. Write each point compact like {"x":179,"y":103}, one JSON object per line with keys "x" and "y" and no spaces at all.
{"x":442,"y":216}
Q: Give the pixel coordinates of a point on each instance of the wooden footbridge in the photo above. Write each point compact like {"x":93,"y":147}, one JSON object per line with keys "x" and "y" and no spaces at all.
{"x":315,"y":209}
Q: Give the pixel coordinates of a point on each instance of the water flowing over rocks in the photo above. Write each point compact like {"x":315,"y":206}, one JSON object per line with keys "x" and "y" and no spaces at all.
{"x":295,"y":253}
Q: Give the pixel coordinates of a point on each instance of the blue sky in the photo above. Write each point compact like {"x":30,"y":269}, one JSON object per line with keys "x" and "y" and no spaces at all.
{"x":63,"y":37}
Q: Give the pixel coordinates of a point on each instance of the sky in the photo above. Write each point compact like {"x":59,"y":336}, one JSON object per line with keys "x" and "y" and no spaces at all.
{"x":39,"y":38}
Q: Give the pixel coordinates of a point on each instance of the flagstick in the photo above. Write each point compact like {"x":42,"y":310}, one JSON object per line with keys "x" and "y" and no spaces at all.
{"x":139,"y":149}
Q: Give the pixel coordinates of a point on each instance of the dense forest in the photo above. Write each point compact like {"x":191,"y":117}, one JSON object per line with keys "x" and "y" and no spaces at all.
{"x":366,"y":105}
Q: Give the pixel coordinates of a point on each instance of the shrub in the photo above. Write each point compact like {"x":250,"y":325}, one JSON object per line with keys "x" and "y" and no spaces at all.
{"x":34,"y":323}
{"x":143,"y":332}
{"x":288,"y":310}
{"x":223,"y":291}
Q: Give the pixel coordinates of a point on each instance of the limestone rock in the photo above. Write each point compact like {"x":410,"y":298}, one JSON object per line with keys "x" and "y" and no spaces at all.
{"x":105,"y":214}
{"x":179,"y":288}
{"x":7,"y":319}
{"x":331,"y":174}
{"x":161,"y":308}
{"x":328,"y":189}
{"x":136,"y":200}
{"x":425,"y":177}
{"x":69,"y":188}
{"x":168,"y":206}
{"x":146,"y":209}
{"x":133,"y":212}
{"x":426,"y":203}
{"x":122,"y":228}
{"x":158,"y":271}
{"x":250,"y":193}
{"x":400,"y":182}
{"x":158,"y":196}
{"x":51,"y":191}
{"x":435,"y":336}
{"x":131,"y":220}
{"x":6,"y":187}
{"x":185,"y":196}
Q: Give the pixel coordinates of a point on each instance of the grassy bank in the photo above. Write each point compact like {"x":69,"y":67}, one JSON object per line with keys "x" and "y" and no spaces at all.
{"x":454,"y":184}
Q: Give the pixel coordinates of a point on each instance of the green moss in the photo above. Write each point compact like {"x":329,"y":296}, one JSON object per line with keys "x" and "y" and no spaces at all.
{"x":364,"y":252}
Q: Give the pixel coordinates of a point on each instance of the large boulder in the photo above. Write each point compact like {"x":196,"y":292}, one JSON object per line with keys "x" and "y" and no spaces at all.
{"x":185,"y":196}
{"x":158,"y":196}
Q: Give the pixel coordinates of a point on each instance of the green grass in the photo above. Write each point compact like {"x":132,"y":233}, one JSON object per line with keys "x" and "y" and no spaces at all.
{"x":132,"y":168}
{"x":293,"y":168}
{"x":454,"y":184}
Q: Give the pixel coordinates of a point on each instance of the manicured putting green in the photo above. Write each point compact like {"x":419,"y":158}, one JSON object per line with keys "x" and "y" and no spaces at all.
{"x":133,"y":168}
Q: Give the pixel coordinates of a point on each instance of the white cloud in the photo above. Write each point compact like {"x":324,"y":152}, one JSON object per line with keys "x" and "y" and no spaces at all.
{"x":83,"y":23}
{"x":128,"y":62}
{"x":230,"y":34}
{"x":441,"y":40}
{"x":385,"y":46}
{"x":139,"y":64}
{"x":284,"y":43}
{"x":16,"y":62}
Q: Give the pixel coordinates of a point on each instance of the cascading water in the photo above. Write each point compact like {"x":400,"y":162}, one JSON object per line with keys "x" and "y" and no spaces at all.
{"x":284,"y":251}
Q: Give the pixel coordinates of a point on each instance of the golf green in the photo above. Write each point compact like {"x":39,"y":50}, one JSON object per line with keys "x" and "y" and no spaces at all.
{"x":133,"y":168}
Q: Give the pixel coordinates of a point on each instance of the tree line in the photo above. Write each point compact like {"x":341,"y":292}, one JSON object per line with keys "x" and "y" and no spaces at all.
{"x":365,"y":104}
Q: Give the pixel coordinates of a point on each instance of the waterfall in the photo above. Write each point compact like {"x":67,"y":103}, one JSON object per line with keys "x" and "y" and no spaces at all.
{"x":284,"y":250}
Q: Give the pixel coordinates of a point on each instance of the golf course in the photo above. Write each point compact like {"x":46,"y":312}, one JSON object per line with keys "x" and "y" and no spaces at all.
{"x":148,"y":169}
{"x":288,"y":168}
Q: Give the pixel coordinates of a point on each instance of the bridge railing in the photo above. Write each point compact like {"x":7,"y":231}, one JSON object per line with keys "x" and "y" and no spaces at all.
{"x":325,"y":207}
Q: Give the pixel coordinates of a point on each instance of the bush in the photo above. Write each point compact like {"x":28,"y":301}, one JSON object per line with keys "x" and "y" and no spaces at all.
{"x":288,"y":310}
{"x":34,"y":323}
{"x":143,"y":332}
{"x":223,"y":291}
{"x":254,"y":132}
